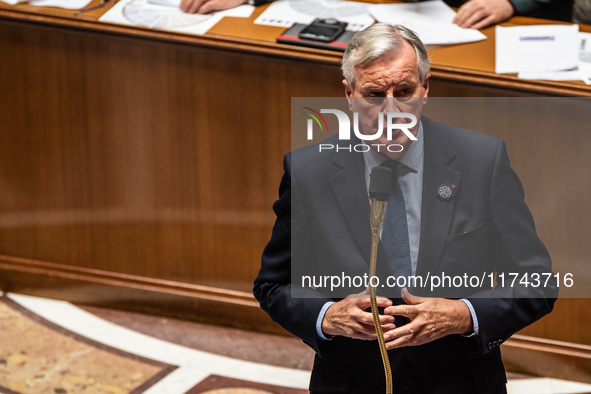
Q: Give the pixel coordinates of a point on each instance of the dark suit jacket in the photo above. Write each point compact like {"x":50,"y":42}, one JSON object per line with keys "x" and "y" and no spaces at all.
{"x":323,"y":219}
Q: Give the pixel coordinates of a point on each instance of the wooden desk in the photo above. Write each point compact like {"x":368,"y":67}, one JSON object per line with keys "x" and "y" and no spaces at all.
{"x":464,"y":70}
{"x":139,"y":167}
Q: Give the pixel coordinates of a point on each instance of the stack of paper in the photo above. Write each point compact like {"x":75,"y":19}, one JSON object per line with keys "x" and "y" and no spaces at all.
{"x":284,"y":13}
{"x":553,"y":52}
{"x":69,"y":4}
{"x":166,"y":15}
{"x":431,"y":20}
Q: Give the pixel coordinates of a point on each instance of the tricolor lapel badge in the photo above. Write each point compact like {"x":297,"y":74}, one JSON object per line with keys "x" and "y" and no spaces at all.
{"x":446,"y":191}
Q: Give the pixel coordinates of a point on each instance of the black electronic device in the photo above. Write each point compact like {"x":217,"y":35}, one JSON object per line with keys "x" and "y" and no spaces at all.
{"x":296,"y":35}
{"x":325,"y":30}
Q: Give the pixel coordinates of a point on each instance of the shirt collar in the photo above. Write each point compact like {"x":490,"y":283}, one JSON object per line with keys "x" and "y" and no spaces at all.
{"x":412,"y":158}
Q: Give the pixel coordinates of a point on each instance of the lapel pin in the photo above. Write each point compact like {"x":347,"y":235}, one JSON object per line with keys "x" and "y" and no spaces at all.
{"x":445,"y":191}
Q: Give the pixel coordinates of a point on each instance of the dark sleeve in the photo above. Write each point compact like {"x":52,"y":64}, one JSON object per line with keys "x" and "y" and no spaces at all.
{"x":294,"y":308}
{"x":261,"y":2}
{"x":551,"y":9}
{"x":501,"y":312}
{"x":525,"y":7}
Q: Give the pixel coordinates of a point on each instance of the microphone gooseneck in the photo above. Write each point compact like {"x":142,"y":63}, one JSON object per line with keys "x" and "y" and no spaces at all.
{"x":380,"y":188}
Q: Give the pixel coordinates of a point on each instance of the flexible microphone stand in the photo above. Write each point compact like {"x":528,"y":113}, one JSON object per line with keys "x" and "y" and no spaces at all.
{"x":380,"y":188}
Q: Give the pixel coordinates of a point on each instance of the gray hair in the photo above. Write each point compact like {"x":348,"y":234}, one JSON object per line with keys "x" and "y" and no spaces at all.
{"x":376,"y":41}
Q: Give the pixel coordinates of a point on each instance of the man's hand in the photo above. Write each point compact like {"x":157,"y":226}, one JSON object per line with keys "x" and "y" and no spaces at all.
{"x":208,"y":6}
{"x":430,"y":319}
{"x":349,"y":317}
{"x":477,"y":14}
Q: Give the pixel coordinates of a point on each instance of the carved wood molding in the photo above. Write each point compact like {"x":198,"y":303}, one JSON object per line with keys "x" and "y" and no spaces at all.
{"x":175,"y":288}
{"x":549,"y":358}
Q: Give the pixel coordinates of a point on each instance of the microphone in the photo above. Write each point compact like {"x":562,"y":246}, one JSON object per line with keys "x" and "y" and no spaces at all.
{"x":380,"y":188}
{"x":380,"y":183}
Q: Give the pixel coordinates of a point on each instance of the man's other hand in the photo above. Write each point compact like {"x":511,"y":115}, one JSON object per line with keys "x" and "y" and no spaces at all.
{"x":208,"y":6}
{"x":349,"y":317}
{"x":430,"y":319}
{"x":478,"y":14}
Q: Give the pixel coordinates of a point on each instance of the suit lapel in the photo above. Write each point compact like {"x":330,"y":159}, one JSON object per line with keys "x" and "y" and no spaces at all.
{"x":348,"y":186}
{"x":436,"y":214}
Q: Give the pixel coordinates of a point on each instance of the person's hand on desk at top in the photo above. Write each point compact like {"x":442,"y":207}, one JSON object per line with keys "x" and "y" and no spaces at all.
{"x":208,"y":6}
{"x":478,"y":14}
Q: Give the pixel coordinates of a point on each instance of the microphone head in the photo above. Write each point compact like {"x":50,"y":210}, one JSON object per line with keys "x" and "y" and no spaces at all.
{"x":380,"y":183}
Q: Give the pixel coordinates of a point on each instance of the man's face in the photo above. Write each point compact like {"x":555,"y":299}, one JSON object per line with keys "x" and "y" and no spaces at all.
{"x":389,"y":84}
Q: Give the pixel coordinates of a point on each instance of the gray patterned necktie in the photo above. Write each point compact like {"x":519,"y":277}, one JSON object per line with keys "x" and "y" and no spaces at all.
{"x":395,"y":230}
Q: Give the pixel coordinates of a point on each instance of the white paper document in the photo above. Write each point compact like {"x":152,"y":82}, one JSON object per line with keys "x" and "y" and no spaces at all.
{"x":69,"y":4}
{"x":585,"y":56}
{"x":582,"y":72}
{"x":284,"y":13}
{"x":537,"y":48}
{"x":166,"y":15}
{"x":170,"y":3}
{"x":431,"y":20}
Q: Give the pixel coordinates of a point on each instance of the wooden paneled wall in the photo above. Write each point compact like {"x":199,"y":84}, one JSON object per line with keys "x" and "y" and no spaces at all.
{"x":141,"y":157}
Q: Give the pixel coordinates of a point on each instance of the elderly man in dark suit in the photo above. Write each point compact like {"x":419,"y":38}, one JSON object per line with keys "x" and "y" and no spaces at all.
{"x":465,"y":214}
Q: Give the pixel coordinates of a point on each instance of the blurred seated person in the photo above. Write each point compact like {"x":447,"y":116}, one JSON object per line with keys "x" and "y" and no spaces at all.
{"x":582,"y":12}
{"x":478,"y":14}
{"x":474,"y":14}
